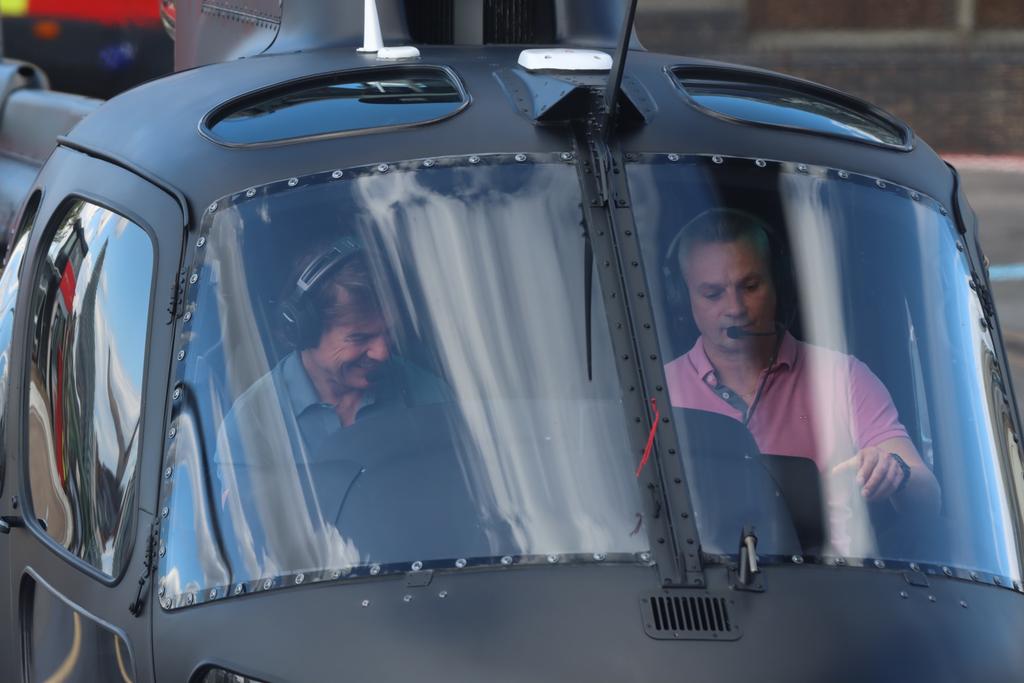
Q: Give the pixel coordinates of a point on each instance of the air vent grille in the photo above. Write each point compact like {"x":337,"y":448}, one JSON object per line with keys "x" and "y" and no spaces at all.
{"x":702,"y":617}
{"x":518,"y":22}
{"x":431,"y":22}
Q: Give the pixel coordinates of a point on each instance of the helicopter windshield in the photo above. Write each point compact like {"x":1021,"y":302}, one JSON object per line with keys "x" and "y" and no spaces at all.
{"x":385,"y":372}
{"x":833,"y":380}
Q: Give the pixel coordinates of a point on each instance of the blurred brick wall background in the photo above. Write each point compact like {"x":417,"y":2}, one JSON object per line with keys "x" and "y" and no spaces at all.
{"x":953,"y":69}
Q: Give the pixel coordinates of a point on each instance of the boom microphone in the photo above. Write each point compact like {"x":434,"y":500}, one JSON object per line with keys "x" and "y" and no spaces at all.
{"x":736,"y":332}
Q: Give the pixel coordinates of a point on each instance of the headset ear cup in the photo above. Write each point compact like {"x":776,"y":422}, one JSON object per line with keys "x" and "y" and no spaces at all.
{"x":301,"y":324}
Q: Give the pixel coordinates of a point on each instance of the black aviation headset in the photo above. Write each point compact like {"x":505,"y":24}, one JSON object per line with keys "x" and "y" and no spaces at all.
{"x":303,"y":323}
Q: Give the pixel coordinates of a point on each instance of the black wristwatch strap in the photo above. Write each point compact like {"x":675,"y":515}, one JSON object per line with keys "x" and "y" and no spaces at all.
{"x":906,"y":472}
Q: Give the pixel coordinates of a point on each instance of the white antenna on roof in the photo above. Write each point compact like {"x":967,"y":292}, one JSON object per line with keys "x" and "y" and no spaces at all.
{"x":374,"y":42}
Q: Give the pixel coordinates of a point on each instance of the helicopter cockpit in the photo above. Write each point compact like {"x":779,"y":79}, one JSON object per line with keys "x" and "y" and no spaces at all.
{"x":479,"y":439}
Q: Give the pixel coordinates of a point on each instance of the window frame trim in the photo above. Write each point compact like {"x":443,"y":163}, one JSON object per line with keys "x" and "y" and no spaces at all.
{"x":37,"y":256}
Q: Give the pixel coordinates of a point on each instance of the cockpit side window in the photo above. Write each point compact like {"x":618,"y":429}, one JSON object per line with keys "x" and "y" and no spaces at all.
{"x":90,"y":321}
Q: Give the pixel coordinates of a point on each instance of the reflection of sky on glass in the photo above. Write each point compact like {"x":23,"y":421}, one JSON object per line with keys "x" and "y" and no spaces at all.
{"x":124,"y":291}
{"x":749,"y":109}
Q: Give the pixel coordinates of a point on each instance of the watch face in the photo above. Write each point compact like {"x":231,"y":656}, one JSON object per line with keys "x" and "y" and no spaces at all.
{"x":906,"y":471}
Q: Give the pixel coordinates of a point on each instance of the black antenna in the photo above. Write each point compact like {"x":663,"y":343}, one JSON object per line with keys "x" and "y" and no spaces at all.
{"x":611,"y":91}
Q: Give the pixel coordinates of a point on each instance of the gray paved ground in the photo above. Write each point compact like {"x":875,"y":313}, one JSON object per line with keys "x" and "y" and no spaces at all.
{"x":998,"y":198}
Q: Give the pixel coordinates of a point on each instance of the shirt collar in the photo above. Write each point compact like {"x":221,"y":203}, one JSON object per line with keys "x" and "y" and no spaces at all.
{"x":701,"y":364}
{"x":299,"y":387}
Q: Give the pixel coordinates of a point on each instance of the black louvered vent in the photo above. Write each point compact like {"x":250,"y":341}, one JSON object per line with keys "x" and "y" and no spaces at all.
{"x":431,"y":22}
{"x":519,"y":22}
{"x":670,"y":617}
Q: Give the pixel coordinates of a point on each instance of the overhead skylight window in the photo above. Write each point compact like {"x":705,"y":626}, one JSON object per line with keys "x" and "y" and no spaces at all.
{"x":338,"y":104}
{"x":767,"y":99}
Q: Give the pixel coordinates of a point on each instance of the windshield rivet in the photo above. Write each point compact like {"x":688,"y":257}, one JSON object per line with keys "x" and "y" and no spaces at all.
{"x":997,"y":581}
{"x":840,"y":561}
{"x":162,"y":592}
{"x":959,"y":246}
{"x":163,"y":550}
{"x":191,"y":598}
{"x":520,"y":157}
{"x":428,"y":163}
{"x":802,"y":168}
{"x":336,"y":574}
{"x":880,"y":564}
{"x":797,"y":559}
{"x":172,"y":432}
{"x":167,"y":473}
{"x":881,"y":184}
{"x":164,"y":511}
{"x":716,"y":159}
{"x":383,"y":168}
{"x":213,"y":594}
{"x":337,"y":174}
{"x":931,"y":598}
{"x":974,"y":576}
{"x":417,"y":565}
{"x":375,"y":570}
{"x":460,"y":563}
{"x":973,"y":284}
{"x":200,"y":242}
{"x":250,"y":193}
{"x":188,"y":316}
{"x":506,"y":560}
{"x":181,"y":355}
{"x":299,"y":578}
{"x":947,"y":571}
{"x":599,"y":557}
{"x":904,"y":594}
{"x":239,"y":589}
{"x":443,"y":594}
{"x":474,"y":159}
{"x":645,"y":556}
{"x":176,"y":394}
{"x":194,"y":278}
{"x":943,"y":211}
{"x":760,"y":163}
{"x":407,"y":598}
{"x":213,"y":207}
{"x":292,"y":182}
{"x":844,"y":175}
{"x":915,"y":196}
{"x":365,"y":603}
{"x":566,"y":156}
{"x":673,"y":157}
{"x":552,"y":559}
{"x":915,"y":566}
{"x":963,"y":603}
{"x":268,"y":584}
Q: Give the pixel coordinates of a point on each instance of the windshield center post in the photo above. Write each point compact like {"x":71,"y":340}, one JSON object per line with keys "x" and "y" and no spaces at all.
{"x":612,"y":231}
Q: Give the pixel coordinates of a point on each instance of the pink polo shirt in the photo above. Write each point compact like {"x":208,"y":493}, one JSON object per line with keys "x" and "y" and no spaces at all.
{"x":816,"y":403}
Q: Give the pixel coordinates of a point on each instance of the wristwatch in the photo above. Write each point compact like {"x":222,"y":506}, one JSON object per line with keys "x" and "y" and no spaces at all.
{"x":906,"y":472}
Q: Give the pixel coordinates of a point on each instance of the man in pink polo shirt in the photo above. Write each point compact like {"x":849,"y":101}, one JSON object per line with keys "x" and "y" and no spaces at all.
{"x":796,"y":399}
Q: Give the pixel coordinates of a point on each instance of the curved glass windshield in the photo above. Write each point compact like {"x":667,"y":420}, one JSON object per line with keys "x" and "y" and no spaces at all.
{"x":384,"y":369}
{"x":833,"y":381}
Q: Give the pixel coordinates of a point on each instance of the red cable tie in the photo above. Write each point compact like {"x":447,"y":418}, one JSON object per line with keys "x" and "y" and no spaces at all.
{"x":650,"y":438}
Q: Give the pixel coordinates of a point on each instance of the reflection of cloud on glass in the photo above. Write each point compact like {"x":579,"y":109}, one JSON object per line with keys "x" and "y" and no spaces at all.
{"x":813,"y":224}
{"x":501,"y":275}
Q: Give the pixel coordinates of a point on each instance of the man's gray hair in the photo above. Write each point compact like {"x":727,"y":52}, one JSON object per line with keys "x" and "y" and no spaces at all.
{"x":721,"y":226}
